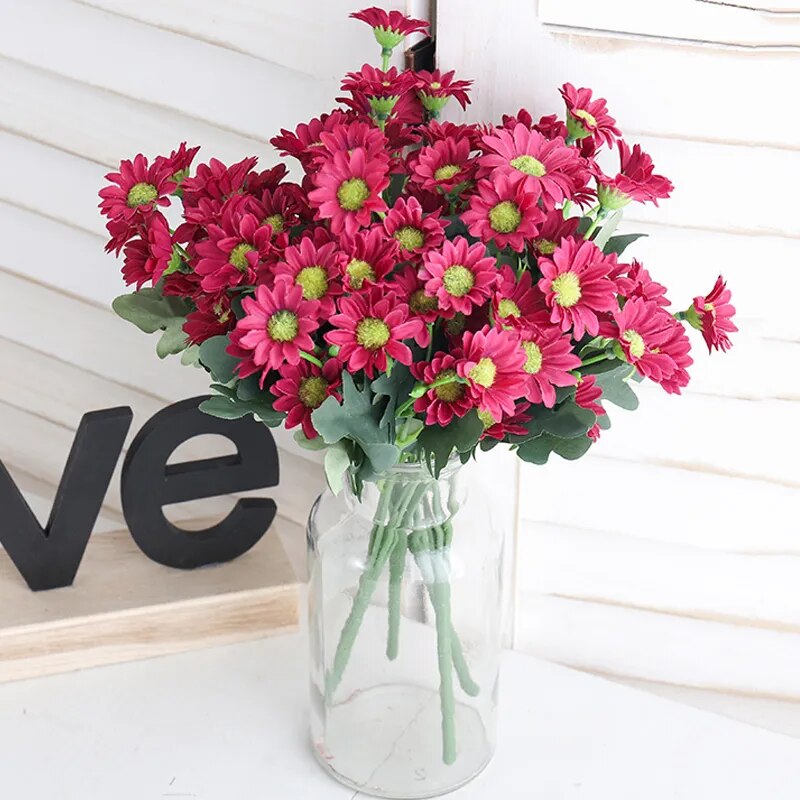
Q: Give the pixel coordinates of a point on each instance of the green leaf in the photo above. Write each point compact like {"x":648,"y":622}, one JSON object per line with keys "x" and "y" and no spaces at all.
{"x":149,"y":310}
{"x":315,"y":444}
{"x":173,"y":340}
{"x":175,"y":262}
{"x":609,"y":226}
{"x":396,"y":388}
{"x":337,"y":462}
{"x":618,"y":244}
{"x":572,"y":449}
{"x":223,"y":408}
{"x":538,"y":450}
{"x":566,"y":420}
{"x":616,"y":389}
{"x":437,"y":444}
{"x":214,"y":358}
{"x":227,"y":406}
{"x":358,"y":419}
{"x":191,"y":356}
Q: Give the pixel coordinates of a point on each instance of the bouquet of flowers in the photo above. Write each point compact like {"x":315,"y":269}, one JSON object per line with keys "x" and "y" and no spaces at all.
{"x":421,"y":290}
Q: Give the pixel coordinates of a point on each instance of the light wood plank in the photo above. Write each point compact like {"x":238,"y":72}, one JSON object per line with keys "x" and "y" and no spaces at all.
{"x":663,"y":89}
{"x":125,"y":607}
{"x":625,"y":642}
{"x":702,"y":509}
{"x":313,"y":38}
{"x":749,"y":590}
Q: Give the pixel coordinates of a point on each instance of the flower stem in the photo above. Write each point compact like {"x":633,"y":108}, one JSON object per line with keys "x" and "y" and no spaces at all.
{"x":597,"y":359}
{"x":312,"y":359}
{"x":601,"y":215}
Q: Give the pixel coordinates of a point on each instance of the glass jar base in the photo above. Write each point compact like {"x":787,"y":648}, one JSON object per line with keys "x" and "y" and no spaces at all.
{"x":400,"y":753}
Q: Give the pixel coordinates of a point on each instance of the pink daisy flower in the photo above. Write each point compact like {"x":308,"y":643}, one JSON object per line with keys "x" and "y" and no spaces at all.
{"x":511,"y":425}
{"x":415,"y":232}
{"x":552,"y":230}
{"x":576,"y":286}
{"x":435,"y":131}
{"x":653,"y":341}
{"x":379,"y":92}
{"x":492,"y":362}
{"x":368,"y":258}
{"x":634,"y":181}
{"x":316,"y":269}
{"x":305,"y":143}
{"x":390,"y":27}
{"x":370,"y":327}
{"x":303,"y":387}
{"x":213,"y":317}
{"x":503,"y":212}
{"x":636,"y":282}
{"x":216,"y":181}
{"x":179,"y":161}
{"x":549,"y":361}
{"x":281,"y":208}
{"x":355,"y":133}
{"x":436,"y":88}
{"x":276,"y":327}
{"x":587,"y":395}
{"x":587,"y":116}
{"x":146,"y":259}
{"x":233,"y":252}
{"x":349,"y":187}
{"x":410,"y":290}
{"x":713,"y":316}
{"x":516,"y":301}
{"x":548,"y":169}
{"x":138,"y":189}
{"x":441,"y":403}
{"x":443,"y":165}
{"x":459,"y":275}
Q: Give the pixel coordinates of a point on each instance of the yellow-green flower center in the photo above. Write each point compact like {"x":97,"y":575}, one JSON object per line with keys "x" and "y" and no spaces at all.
{"x":446,"y":172}
{"x":533,"y":352}
{"x":567,"y":289}
{"x":582,"y":113}
{"x":435,"y":85}
{"x":238,"y":256}
{"x":635,"y":342}
{"x":546,"y":247}
{"x":360,"y":271}
{"x":456,"y":324}
{"x":508,"y":308}
{"x":312,"y":391}
{"x":282,"y":326}
{"x":410,"y":238}
{"x":458,"y":280}
{"x":372,"y":333}
{"x":352,"y":194}
{"x":314,"y":281}
{"x":449,"y":392}
{"x":421,"y":303}
{"x":276,"y":222}
{"x":140,"y":194}
{"x":486,"y":418}
{"x":505,"y":217}
{"x":484,"y":373}
{"x":529,"y":165}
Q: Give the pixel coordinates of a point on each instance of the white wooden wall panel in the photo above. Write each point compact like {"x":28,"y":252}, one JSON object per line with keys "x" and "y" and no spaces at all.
{"x":671,"y":553}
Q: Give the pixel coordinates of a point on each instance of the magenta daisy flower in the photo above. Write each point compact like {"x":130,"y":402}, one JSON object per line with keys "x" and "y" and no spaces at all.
{"x":410,"y":289}
{"x":305,"y":143}
{"x":378,"y":91}
{"x":415,"y":232}
{"x":492,"y":362}
{"x":179,"y":161}
{"x":634,"y":181}
{"x":390,"y":27}
{"x":138,"y":189}
{"x":233,"y":252}
{"x":316,"y":269}
{"x":147,"y":257}
{"x":368,"y":258}
{"x":459,"y":275}
{"x":713,"y":316}
{"x":370,"y":327}
{"x":548,"y":168}
{"x":435,"y":89}
{"x":552,"y":230}
{"x":276,"y":327}
{"x":349,"y":136}
{"x":516,"y":301}
{"x":653,"y":341}
{"x":636,"y":282}
{"x":443,"y":165}
{"x":510,"y":425}
{"x":576,"y":286}
{"x":281,"y":208}
{"x":587,"y":116}
{"x":588,"y":395}
{"x":213,"y":317}
{"x":549,"y":361}
{"x":349,"y":187}
{"x":503,"y":212}
{"x":302,"y":388}
{"x":447,"y":400}
{"x":216,"y":181}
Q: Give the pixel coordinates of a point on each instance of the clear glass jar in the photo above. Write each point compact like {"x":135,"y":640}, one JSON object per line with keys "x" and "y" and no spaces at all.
{"x":405,"y":588}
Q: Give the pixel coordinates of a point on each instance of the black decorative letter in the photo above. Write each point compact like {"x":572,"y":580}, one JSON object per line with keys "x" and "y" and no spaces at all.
{"x":148,"y":484}
{"x":49,"y":558}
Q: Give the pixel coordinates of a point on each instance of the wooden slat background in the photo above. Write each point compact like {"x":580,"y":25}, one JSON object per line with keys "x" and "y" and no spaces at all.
{"x":671,"y":554}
